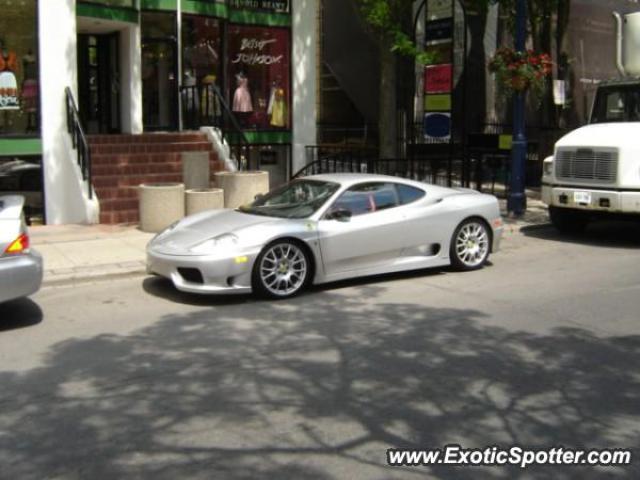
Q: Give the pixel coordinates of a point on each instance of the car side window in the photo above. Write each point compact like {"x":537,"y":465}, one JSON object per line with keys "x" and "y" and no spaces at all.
{"x":409,"y":194}
{"x":367,"y":198}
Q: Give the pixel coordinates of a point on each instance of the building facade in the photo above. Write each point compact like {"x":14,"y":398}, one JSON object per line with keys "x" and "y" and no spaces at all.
{"x":135,"y":66}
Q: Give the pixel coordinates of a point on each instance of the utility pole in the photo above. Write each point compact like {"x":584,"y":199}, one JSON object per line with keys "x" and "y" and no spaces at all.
{"x":517,"y":200}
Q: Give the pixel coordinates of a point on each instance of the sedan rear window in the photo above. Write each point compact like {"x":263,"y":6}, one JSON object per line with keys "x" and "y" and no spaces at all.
{"x":409,"y":194}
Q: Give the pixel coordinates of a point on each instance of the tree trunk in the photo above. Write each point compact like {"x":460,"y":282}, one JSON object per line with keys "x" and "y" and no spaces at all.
{"x":387,"y":111}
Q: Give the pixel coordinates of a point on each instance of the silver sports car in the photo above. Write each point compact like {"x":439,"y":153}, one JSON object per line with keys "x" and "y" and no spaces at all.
{"x":324,"y":228}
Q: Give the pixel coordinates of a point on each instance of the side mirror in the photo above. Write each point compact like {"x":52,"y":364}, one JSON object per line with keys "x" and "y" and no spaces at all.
{"x":258,"y":196}
{"x":339,"y":214}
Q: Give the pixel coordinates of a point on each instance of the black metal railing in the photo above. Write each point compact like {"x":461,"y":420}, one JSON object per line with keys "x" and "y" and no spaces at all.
{"x":79,"y":140}
{"x":205,"y":106}
{"x":331,"y":159}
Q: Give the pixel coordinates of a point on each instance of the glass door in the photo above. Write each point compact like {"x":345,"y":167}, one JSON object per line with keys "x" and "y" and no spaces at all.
{"x":98,"y":83}
{"x":159,"y":84}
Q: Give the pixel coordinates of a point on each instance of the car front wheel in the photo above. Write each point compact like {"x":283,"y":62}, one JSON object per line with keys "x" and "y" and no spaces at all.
{"x":470,"y":245}
{"x":281,"y":270}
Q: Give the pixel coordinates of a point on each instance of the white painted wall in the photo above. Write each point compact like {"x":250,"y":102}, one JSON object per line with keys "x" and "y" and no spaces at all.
{"x":66,"y":199}
{"x":305,"y":50}
{"x":131,"y":79}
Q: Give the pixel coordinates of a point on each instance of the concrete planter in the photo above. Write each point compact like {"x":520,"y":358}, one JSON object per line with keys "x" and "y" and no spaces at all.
{"x":241,"y":188}
{"x":202,"y":199}
{"x":161,"y":204}
{"x":195,"y":170}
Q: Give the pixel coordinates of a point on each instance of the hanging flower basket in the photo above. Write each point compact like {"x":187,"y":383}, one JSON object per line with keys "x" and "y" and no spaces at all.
{"x":520,"y":71}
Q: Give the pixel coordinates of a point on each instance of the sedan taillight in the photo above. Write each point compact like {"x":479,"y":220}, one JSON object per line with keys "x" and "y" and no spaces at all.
{"x":19,"y":245}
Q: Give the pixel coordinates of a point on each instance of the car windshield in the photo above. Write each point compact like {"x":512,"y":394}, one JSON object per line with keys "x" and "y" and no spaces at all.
{"x":298,"y":199}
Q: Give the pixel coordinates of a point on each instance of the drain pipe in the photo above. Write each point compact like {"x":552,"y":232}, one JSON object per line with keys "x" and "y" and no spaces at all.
{"x":619,"y":63}
{"x":179,"y":62}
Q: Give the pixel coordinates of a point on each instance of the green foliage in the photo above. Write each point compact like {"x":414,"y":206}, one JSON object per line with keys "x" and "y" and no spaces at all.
{"x":390,"y":19}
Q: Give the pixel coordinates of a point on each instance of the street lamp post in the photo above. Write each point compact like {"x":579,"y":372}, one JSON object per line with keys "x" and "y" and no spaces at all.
{"x":517,"y":200}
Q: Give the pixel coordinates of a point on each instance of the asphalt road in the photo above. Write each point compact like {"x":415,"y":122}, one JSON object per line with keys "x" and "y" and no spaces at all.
{"x":130,"y":379}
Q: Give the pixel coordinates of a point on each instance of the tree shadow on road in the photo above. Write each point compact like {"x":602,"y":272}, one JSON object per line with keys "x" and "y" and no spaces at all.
{"x":316,"y":388}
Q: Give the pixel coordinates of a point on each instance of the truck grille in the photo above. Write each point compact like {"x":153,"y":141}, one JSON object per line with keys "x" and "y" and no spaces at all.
{"x":587,"y":164}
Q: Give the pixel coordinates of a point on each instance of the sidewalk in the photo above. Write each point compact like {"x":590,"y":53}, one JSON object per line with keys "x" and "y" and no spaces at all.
{"x":75,"y":253}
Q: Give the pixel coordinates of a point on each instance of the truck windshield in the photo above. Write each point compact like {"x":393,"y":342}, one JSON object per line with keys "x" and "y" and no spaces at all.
{"x":617,"y":104}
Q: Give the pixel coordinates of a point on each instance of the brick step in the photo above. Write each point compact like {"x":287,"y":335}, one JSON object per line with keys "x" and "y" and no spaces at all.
{"x":142,"y":169}
{"x":119,"y":217}
{"x":108,"y":193}
{"x":140,"y":158}
{"x":131,"y":148}
{"x":110,"y":181}
{"x":118,"y":204}
{"x":135,"y":158}
{"x":146,"y":138}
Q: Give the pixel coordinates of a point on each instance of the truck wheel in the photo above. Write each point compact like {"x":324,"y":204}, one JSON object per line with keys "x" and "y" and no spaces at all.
{"x":568,"y":221}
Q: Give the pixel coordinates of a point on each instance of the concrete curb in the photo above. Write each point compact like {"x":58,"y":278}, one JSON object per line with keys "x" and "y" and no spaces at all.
{"x":59,"y":278}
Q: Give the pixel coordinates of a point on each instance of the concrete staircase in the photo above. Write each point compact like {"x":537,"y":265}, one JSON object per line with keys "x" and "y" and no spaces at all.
{"x":122,"y":162}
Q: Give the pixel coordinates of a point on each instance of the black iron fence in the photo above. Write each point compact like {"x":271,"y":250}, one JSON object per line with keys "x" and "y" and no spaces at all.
{"x":481,"y":162}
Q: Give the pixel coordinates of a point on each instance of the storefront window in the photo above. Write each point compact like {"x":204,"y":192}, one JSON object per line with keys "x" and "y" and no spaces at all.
{"x":201,"y":70}
{"x":258,"y":82}
{"x":19,"y":88}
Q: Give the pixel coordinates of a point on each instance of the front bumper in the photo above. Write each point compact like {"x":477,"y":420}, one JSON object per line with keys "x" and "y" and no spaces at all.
{"x":222,"y":275}
{"x":20,"y":275}
{"x":627,"y":202}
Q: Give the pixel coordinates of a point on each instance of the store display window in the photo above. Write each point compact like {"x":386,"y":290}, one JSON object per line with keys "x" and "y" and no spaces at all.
{"x":19,"y":89}
{"x":201,"y":69}
{"x":258,"y":82}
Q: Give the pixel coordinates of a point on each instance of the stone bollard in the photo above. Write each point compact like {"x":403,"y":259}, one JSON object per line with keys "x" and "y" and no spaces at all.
{"x":202,"y":199}
{"x":161,"y":204}
{"x":240,"y":188}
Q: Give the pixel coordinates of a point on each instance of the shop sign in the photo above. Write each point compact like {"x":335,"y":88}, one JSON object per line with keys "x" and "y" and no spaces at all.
{"x":270,"y":5}
{"x":437,"y":103}
{"x":253,"y":51}
{"x":438,"y":78}
{"x":441,"y":29}
{"x":437,"y":126}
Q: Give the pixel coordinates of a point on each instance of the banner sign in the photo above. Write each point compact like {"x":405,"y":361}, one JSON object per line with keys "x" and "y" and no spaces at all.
{"x":437,"y":78}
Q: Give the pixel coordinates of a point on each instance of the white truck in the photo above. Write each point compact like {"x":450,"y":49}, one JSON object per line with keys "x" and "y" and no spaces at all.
{"x":595,"y":170}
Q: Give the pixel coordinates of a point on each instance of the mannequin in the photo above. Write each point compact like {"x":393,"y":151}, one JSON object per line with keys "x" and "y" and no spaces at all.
{"x":8,"y":82}
{"x":242,"y":97}
{"x":277,"y":105}
{"x":30,"y":90}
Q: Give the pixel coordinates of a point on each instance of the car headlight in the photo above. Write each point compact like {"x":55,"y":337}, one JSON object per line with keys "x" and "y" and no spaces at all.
{"x":548,"y":168}
{"x":225,"y":240}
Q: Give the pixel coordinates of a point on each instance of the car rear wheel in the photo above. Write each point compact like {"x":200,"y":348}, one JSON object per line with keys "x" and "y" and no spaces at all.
{"x":470,"y":245}
{"x":281,"y":270}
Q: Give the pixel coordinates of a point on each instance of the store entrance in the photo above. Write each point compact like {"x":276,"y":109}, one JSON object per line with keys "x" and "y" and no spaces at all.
{"x":159,"y":84}
{"x":99,"y":83}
